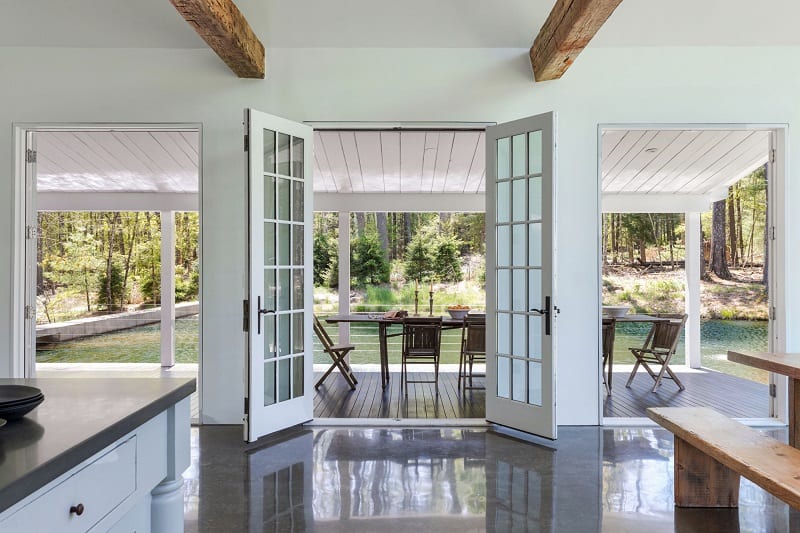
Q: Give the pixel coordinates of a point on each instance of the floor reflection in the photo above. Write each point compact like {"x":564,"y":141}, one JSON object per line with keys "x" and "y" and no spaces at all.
{"x":372,"y":479}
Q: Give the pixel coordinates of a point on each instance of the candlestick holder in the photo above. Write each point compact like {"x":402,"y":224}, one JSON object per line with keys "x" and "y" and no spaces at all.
{"x":431,"y":303}
{"x":416,"y":302}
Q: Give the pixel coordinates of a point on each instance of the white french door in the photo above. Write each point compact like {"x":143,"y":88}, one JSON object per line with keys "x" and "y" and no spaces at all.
{"x":520,"y":260}
{"x":279,"y":307}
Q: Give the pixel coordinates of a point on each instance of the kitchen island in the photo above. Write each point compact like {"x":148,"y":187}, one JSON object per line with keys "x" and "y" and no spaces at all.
{"x":103,"y":453}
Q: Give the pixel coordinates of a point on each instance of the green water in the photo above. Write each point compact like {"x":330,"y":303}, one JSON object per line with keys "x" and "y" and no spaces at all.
{"x":135,"y":345}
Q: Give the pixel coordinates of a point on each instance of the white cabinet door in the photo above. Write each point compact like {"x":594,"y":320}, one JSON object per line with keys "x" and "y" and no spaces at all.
{"x":520,"y":259}
{"x":280,"y":351}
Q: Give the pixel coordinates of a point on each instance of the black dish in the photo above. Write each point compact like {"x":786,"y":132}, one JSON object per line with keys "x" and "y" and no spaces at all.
{"x":15,"y":412}
{"x":22,"y":402}
{"x":10,"y":394}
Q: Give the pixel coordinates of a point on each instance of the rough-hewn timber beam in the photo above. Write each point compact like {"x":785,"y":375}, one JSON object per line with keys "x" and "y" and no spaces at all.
{"x":565,"y":33}
{"x":227,"y":32}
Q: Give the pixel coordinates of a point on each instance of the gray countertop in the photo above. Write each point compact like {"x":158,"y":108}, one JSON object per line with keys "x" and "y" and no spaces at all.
{"x":78,"y":418}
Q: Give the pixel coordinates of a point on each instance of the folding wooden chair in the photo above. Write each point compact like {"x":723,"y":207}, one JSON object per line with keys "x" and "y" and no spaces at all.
{"x":337,"y":353}
{"x":473,"y":349}
{"x":658,"y":349}
{"x":609,"y":333}
{"x":421,"y":344}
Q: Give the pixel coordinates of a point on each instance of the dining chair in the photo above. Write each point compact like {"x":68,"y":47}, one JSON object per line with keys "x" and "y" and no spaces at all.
{"x":473,"y":349}
{"x":421,"y":344}
{"x":659,"y":348}
{"x":338,"y":353}
{"x":609,"y":332}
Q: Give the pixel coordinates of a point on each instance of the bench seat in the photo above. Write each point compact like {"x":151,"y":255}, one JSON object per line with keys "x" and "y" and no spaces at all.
{"x":712,"y":452}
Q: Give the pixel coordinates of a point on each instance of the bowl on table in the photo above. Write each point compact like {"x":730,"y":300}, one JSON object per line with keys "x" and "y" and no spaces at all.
{"x":458,"y":312}
{"x":616,"y":311}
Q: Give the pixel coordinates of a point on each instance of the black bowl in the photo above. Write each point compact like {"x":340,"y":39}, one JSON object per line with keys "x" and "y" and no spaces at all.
{"x":15,"y":412}
{"x":17,"y":393}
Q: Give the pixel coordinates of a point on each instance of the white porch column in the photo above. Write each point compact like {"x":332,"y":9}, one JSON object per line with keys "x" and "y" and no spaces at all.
{"x":344,"y":274}
{"x":167,"y":288}
{"x":694,"y":259}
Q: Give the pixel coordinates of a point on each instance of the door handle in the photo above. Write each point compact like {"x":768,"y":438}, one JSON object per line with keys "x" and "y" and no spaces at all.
{"x":262,"y":312}
{"x":545,"y":312}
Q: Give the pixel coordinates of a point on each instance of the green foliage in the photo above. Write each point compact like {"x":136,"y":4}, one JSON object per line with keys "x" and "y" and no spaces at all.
{"x":419,"y":258}
{"x":110,"y":288}
{"x":324,"y":252}
{"x":187,"y":284}
{"x":368,"y":265}
{"x":446,"y":259}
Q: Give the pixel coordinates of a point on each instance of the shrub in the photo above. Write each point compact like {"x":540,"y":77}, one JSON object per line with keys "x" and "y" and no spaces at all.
{"x":110,"y":290}
{"x":446,"y":259}
{"x":368,"y":263}
{"x":324,"y":252}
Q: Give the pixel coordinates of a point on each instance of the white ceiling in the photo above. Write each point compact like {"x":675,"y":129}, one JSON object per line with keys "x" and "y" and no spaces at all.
{"x":395,"y":161}
{"x":671,"y":162}
{"x":117,"y":161}
{"x":385,"y":23}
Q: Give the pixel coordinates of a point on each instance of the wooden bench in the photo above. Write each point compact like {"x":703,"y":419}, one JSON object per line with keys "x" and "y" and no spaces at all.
{"x":712,"y":452}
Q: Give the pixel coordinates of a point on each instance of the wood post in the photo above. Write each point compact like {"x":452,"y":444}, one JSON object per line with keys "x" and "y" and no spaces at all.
{"x":344,"y":276}
{"x":167,"y":288}
{"x":701,"y":480}
{"x":694,"y":260}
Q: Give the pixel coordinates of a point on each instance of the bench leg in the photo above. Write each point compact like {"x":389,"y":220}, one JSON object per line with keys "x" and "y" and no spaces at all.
{"x":794,"y":415}
{"x":701,"y":480}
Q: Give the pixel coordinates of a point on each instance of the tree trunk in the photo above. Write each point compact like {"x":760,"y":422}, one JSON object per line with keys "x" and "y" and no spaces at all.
{"x":443,"y":218}
{"x":361,"y":223}
{"x":719,"y":264}
{"x":383,"y":232}
{"x":406,"y":229}
{"x":739,"y":224}
{"x":732,"y":230}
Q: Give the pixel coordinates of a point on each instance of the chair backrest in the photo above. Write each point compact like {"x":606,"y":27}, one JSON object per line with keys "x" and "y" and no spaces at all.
{"x":609,"y":332}
{"x":422,"y":334}
{"x":666,"y":334}
{"x":473,"y":335}
{"x":322,"y":335}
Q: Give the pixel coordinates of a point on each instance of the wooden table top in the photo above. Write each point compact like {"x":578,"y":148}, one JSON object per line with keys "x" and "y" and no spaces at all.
{"x":637,"y":318}
{"x":787,"y":364}
{"x":378,"y":318}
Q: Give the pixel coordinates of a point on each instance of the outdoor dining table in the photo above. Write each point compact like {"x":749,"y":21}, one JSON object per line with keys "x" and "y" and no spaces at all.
{"x":383,"y":333}
{"x":787,"y":364}
{"x":628,"y":318}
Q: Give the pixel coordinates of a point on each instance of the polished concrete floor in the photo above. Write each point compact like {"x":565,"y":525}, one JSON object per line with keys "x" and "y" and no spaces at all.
{"x":425,"y":479}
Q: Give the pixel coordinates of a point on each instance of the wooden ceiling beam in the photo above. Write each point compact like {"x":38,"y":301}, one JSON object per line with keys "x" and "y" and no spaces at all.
{"x":566,"y":32}
{"x":227,"y":32}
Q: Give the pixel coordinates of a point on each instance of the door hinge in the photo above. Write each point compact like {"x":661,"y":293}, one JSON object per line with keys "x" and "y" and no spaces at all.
{"x":773,"y":390}
{"x":246,"y":315}
{"x":30,"y":232}
{"x":772,"y":313}
{"x":246,"y":407}
{"x":246,"y":142}
{"x":30,"y":314}
{"x":772,"y":233}
{"x":772,"y":156}
{"x":30,"y":156}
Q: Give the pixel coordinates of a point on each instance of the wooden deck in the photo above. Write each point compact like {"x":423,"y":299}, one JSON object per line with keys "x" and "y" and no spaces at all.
{"x":730,"y":395}
{"x":334,"y":399}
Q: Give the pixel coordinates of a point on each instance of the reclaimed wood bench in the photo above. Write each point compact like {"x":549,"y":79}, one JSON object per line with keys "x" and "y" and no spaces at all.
{"x":712,"y":452}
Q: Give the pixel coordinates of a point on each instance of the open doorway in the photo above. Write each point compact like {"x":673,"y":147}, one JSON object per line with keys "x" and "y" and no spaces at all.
{"x":112,"y":250}
{"x":677,"y":242}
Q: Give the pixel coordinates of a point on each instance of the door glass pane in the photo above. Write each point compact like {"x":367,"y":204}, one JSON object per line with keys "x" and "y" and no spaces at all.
{"x":520,"y":339}
{"x":535,"y":336}
{"x":269,"y":197}
{"x":503,"y":368}
{"x":297,"y":376}
{"x":297,"y":245}
{"x":503,"y":158}
{"x":297,"y":289}
{"x":518,"y":389}
{"x":518,"y":154}
{"x":269,"y":383}
{"x":284,"y":334}
{"x":535,"y":244}
{"x":284,"y":379}
{"x":297,"y":157}
{"x":298,"y":201}
{"x":503,"y":202}
{"x":503,"y":333}
{"x":518,"y":245}
{"x":284,"y":244}
{"x":535,"y":289}
{"x":284,"y":199}
{"x":518,"y":200}
{"x":535,"y":383}
{"x":535,"y":152}
{"x":503,"y":245}
{"x":269,"y":288}
{"x":535,"y":198}
{"x":269,"y":151}
{"x":503,"y":290}
{"x":284,"y":289}
{"x":269,"y":243}
{"x":298,"y":336}
{"x":518,"y":299}
{"x":283,"y":154}
{"x":268,"y":327}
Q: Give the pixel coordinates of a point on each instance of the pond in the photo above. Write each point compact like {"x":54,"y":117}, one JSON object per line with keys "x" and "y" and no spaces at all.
{"x":134,"y":345}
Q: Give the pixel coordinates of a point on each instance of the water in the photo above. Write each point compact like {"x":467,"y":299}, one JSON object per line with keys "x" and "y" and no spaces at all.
{"x":135,"y":345}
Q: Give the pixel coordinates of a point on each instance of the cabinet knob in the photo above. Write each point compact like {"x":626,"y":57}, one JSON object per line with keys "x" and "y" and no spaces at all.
{"x":76,"y":509}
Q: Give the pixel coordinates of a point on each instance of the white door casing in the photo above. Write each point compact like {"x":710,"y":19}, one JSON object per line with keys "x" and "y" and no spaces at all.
{"x":278,"y":387}
{"x":520,"y":281}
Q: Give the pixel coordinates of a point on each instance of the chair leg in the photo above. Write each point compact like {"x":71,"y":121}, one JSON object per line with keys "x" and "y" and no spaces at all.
{"x":436,"y":374}
{"x":635,"y":368}
{"x":461,"y":364}
{"x":665,"y":368}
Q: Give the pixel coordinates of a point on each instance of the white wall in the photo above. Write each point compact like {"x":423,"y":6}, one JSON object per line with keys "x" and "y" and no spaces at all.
{"x":709,"y":85}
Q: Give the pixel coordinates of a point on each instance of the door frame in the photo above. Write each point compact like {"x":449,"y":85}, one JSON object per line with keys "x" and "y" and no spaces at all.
{"x":23,"y":365}
{"x":779,"y":405}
